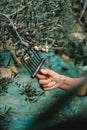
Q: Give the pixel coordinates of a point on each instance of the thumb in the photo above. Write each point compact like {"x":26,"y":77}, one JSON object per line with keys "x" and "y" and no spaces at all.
{"x":46,"y":72}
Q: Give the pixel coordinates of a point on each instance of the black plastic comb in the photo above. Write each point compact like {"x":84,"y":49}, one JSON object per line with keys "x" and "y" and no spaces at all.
{"x":32,"y":60}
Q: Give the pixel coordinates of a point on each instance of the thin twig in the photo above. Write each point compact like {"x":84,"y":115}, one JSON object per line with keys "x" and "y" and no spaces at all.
{"x":82,"y":13}
{"x":7,"y":16}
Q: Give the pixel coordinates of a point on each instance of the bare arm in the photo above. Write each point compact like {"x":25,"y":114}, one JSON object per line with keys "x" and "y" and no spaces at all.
{"x":49,"y":80}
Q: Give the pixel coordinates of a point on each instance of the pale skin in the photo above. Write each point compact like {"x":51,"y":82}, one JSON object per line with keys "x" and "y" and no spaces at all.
{"x":49,"y":80}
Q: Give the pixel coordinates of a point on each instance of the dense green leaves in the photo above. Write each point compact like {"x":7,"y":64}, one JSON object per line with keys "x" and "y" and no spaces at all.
{"x":48,"y":22}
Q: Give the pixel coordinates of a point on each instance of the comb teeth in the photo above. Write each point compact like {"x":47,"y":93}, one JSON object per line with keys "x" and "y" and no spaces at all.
{"x":32,"y":62}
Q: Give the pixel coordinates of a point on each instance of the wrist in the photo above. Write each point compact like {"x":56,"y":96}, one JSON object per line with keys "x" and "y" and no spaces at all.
{"x":66,"y":82}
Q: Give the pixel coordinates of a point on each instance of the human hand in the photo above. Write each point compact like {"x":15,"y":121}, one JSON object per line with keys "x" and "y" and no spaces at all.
{"x":49,"y":79}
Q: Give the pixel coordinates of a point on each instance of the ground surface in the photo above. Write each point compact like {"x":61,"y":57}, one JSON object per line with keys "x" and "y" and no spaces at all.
{"x":23,"y":112}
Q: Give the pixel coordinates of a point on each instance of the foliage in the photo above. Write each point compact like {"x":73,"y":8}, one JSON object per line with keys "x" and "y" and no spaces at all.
{"x":44,"y":22}
{"x":31,"y":93}
{"x":4,"y":113}
{"x":78,"y":51}
{"x":4,"y":82}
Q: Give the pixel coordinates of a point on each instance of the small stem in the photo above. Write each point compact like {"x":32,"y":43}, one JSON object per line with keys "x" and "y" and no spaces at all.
{"x":82,"y":13}
{"x":7,"y":16}
{"x":84,"y":9}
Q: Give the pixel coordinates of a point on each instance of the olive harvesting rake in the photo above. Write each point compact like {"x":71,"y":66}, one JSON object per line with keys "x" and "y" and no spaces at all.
{"x":31,"y":59}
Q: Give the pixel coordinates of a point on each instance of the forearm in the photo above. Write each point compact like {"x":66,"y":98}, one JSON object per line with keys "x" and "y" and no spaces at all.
{"x":69,"y":83}
{"x":83,"y":90}
{"x":49,"y":80}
